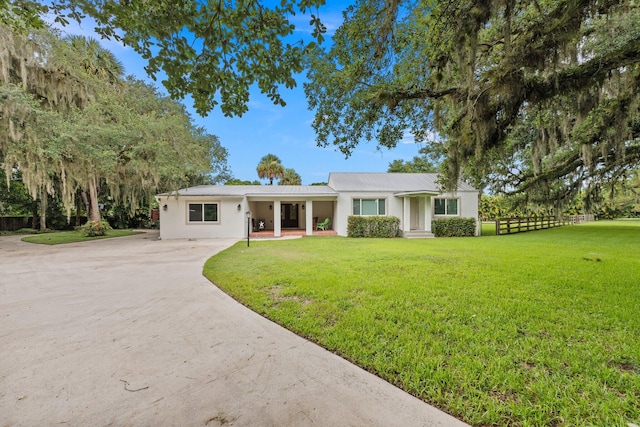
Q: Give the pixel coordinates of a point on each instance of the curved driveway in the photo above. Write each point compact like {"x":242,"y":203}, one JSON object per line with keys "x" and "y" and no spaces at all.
{"x":127,"y":332}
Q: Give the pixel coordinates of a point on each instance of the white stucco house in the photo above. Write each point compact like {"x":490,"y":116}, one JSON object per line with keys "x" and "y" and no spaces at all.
{"x":220,"y":211}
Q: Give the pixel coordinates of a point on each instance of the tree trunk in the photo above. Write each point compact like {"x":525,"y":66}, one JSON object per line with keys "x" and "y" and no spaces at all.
{"x":94,"y":209}
{"x":78,"y":201}
{"x":87,"y":203}
{"x":43,"y":210}
{"x":34,"y":214}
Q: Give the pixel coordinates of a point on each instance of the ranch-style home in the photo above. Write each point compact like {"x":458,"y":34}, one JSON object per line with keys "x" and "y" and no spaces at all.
{"x":226,"y":211}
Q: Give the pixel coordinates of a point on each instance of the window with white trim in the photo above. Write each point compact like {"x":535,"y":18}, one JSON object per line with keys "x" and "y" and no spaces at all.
{"x":365,"y":207}
{"x":445,"y":207}
{"x":203,"y":212}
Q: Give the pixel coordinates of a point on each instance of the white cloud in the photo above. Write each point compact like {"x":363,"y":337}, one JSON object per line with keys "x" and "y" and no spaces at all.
{"x":408,"y":138}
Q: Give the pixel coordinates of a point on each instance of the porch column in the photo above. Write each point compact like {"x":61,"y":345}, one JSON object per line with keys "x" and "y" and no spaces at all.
{"x":277,"y":223}
{"x":427,"y":212}
{"x":406,"y":214}
{"x":308,"y":218}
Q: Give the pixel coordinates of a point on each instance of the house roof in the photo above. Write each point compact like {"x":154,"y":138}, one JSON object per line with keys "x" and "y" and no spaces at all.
{"x":254,"y":190}
{"x":394,"y":182}
{"x":399,"y":183}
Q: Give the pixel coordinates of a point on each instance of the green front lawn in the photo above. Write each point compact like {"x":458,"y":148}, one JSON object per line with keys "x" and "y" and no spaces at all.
{"x":488,"y":228}
{"x":57,"y":238}
{"x":532,"y":329}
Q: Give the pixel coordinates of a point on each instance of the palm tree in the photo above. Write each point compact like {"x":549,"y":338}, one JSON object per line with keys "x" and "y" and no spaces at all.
{"x":96,"y":60}
{"x":270,"y":168}
{"x":291,"y":177}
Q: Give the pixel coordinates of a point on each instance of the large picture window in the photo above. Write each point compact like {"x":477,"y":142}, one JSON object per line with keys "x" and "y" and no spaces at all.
{"x":203,"y":212}
{"x":362,"y":207}
{"x":445,"y":206}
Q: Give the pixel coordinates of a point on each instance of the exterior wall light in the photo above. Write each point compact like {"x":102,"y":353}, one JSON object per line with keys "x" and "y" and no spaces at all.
{"x":239,"y":206}
{"x":165,"y":207}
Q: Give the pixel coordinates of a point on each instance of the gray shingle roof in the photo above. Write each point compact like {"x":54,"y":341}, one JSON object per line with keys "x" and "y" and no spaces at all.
{"x":254,"y":190}
{"x":338,"y":181}
{"x":395,"y":182}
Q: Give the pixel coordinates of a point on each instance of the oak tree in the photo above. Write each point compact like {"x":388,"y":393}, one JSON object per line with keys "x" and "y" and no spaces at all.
{"x":532,"y":97}
{"x":73,"y":126}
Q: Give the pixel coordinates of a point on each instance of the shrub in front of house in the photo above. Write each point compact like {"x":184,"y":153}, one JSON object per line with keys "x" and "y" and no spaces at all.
{"x":454,"y":227}
{"x":373,"y":226}
{"x":95,"y":228}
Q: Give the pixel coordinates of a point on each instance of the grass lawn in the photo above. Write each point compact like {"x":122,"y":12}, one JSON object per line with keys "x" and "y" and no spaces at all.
{"x":531,"y":329}
{"x":488,"y":228}
{"x":57,"y":238}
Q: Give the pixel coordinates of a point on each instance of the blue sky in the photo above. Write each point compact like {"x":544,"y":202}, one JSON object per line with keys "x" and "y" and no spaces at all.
{"x":270,"y":129}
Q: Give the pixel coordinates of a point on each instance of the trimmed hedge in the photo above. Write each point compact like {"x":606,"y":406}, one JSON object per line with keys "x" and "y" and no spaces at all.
{"x":454,"y":227}
{"x":373,"y":226}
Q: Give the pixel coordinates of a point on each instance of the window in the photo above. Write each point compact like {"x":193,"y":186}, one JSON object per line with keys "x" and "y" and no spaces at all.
{"x":203,"y":212}
{"x":445,"y":206}
{"x":368,"y":207}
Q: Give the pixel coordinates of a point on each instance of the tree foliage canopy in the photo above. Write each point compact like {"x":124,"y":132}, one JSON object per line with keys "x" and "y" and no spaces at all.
{"x":419,"y":164}
{"x":530,"y":96}
{"x":212,"y":51}
{"x":21,"y":15}
{"x":72,"y":125}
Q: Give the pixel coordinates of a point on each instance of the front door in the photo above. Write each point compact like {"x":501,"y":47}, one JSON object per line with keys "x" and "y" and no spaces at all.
{"x":414,"y":214}
{"x":289,"y":215}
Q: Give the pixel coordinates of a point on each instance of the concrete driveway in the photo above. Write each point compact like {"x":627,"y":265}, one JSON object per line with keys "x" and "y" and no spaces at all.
{"x":127,"y":332}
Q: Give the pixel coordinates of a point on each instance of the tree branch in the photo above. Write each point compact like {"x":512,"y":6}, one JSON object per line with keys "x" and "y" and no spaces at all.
{"x":583,"y":75}
{"x":414,"y":93}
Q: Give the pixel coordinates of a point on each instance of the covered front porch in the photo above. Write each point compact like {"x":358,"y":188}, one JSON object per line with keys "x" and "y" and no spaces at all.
{"x":416,"y":208}
{"x":290,"y":216}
